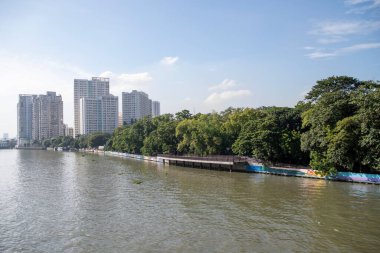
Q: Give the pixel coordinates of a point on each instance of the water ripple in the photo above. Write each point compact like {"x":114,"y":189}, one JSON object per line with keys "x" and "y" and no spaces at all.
{"x":65,"y":202}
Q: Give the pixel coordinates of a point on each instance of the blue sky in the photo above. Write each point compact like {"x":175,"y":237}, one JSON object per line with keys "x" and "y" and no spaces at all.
{"x":196,"y":55}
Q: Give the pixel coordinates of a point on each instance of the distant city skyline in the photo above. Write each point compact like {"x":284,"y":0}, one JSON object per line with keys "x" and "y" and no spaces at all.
{"x":195,"y":55}
{"x":40,"y":117}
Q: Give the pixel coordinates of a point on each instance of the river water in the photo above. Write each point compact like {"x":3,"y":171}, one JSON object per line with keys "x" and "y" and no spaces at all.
{"x":71,"y":202}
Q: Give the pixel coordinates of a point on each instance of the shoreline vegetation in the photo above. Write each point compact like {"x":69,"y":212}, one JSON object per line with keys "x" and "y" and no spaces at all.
{"x":336,"y":128}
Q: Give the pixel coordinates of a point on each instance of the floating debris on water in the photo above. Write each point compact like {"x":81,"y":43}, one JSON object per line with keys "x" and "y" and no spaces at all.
{"x":137,"y":181}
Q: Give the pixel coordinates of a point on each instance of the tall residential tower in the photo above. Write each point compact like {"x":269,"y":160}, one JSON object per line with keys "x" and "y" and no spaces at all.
{"x":136,"y":105}
{"x":95,"y":109}
{"x":47,"y":119}
{"x":24,"y":119}
{"x":39,"y":117}
{"x":155,"y":109}
{"x":89,"y":89}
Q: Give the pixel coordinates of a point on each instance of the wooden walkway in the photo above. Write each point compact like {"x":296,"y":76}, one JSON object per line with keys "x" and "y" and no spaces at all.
{"x":231,"y":163}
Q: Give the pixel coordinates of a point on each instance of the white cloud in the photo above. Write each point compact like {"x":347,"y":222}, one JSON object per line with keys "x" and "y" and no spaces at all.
{"x":318,"y":55}
{"x":169,"y":60}
{"x":224,"y":85}
{"x":342,"y":28}
{"x":127,"y":81}
{"x":136,"y":77}
{"x":331,"y":40}
{"x":343,"y":31}
{"x":223,"y":96}
{"x":107,"y":73}
{"x":359,"y":47}
{"x":362,"y":6}
{"x":355,"y":2}
{"x":344,"y":50}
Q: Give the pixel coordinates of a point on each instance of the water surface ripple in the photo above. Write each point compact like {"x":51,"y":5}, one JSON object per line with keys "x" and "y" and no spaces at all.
{"x":70,"y":202}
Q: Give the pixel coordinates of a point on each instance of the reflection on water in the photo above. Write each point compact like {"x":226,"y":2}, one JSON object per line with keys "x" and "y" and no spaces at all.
{"x":68,"y":202}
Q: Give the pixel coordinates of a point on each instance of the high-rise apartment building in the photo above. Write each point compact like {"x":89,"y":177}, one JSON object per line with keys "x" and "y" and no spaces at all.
{"x":88,"y":115}
{"x":95,"y":110}
{"x":109,"y":114}
{"x":68,"y":131}
{"x":39,"y":117}
{"x":155,"y":109}
{"x":24,"y":119}
{"x":88,"y":89}
{"x":136,"y":105}
{"x":47,"y":116}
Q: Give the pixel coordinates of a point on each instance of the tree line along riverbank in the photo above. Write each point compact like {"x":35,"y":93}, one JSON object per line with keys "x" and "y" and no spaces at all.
{"x":335,"y":128}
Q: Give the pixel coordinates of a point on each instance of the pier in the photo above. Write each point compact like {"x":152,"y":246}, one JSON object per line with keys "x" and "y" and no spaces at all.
{"x":227,"y":163}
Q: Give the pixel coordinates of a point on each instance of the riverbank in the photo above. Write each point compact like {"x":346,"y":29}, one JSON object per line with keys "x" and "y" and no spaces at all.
{"x":309,"y":173}
{"x":254,"y":167}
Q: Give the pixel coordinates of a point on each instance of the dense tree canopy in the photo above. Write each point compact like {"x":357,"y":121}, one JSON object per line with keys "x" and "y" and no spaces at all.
{"x":342,"y":125}
{"x":83,"y":141}
{"x":268,"y":133}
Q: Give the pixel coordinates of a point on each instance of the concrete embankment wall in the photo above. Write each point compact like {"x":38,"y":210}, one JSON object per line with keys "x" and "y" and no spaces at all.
{"x":340,"y":176}
{"x":357,"y":177}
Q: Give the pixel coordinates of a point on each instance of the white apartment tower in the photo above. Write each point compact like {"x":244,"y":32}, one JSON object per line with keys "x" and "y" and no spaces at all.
{"x":88,"y":89}
{"x":136,"y":105}
{"x":95,"y":110}
{"x":155,"y":109}
{"x":88,"y":115}
{"x":109,"y":116}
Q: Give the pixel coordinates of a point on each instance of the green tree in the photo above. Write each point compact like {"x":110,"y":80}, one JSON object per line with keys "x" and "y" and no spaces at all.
{"x":162,"y":139}
{"x":46,"y":143}
{"x":81,"y":141}
{"x":367,"y":98}
{"x":201,"y":135}
{"x":67,"y":141}
{"x":337,"y":131}
{"x":182,"y":115}
{"x":119,"y":139}
{"x":271,"y":134}
{"x":98,"y":139}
